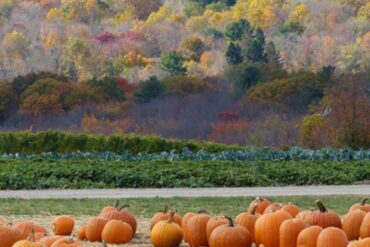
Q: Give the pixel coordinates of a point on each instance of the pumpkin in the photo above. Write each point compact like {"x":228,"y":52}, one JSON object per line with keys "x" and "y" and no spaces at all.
{"x":27,"y":243}
{"x":362,"y":243}
{"x":365,"y":227}
{"x":352,"y":223}
{"x":63,"y":225}
{"x":49,"y":241}
{"x":230,"y":235}
{"x":363,"y":206}
{"x":248,"y":220}
{"x":292,"y":209}
{"x":267,"y":228}
{"x":117,"y":232}
{"x":262,"y":204}
{"x":186,"y":218}
{"x":167,"y":233}
{"x":301,"y":215}
{"x":81,"y":233}
{"x":195,"y":230}
{"x":9,"y":236}
{"x":273,"y":207}
{"x":164,"y":215}
{"x":63,"y":242}
{"x":110,"y":208}
{"x":308,"y":237}
{"x":289,"y":231}
{"x":213,"y":223}
{"x":122,"y":214}
{"x":332,"y":237}
{"x":94,"y":229}
{"x":323,"y":217}
{"x":27,"y":227}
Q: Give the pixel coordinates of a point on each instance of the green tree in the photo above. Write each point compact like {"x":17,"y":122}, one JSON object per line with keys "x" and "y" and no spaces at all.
{"x":110,"y":87}
{"x":256,"y":47}
{"x":8,"y":100}
{"x":248,"y":77}
{"x":234,"y":53}
{"x":236,"y":30}
{"x":173,"y":62}
{"x":216,"y":6}
{"x":272,"y":55}
{"x":193,"y":8}
{"x":150,"y":89}
{"x":195,"y":46}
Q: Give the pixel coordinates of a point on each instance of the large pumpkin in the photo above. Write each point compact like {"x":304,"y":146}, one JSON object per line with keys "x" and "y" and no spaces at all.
{"x":273,"y":207}
{"x":63,"y":242}
{"x":292,"y":209}
{"x":352,"y":223}
{"x":289,"y":231}
{"x":332,"y":237}
{"x":363,"y":206}
{"x":213,"y":223}
{"x":308,"y":237}
{"x":365,"y":227}
{"x":9,"y":236}
{"x":120,"y":213}
{"x":164,"y":215}
{"x":323,"y":217}
{"x":167,"y":233}
{"x":261,"y":203}
{"x":63,"y":225}
{"x":94,"y":229}
{"x":248,"y":220}
{"x":267,"y":228}
{"x":27,"y":227}
{"x":195,"y":230}
{"x":230,"y":235}
{"x":117,"y":232}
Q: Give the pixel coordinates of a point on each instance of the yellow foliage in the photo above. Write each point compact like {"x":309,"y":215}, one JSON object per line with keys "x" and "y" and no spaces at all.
{"x":299,"y":13}
{"x":240,"y":10}
{"x":163,"y":13}
{"x":54,"y":14}
{"x":261,"y":13}
{"x":364,"y":12}
{"x":127,"y":15}
{"x":197,"y":23}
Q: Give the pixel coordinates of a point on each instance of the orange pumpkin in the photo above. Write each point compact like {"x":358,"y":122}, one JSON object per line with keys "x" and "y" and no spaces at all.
{"x":292,"y":209}
{"x":94,"y":229}
{"x":248,"y":220}
{"x":362,"y":243}
{"x":9,"y":236}
{"x":213,"y":223}
{"x":267,"y":228}
{"x":167,"y":233}
{"x":110,"y":208}
{"x":27,"y":243}
{"x":117,"y":232}
{"x":195,"y":230}
{"x":352,"y":223}
{"x":273,"y":207}
{"x":49,"y":241}
{"x":323,"y":217}
{"x":230,"y":235}
{"x":63,"y":242}
{"x":262,"y":204}
{"x":164,"y":215}
{"x":332,"y":237}
{"x":365,"y":227}
{"x":289,"y":231}
{"x":186,"y":218}
{"x":63,"y":225}
{"x":120,"y":214}
{"x":308,"y":237}
{"x":27,"y":227}
{"x":81,"y":233}
{"x":363,"y":206}
{"x":301,"y":215}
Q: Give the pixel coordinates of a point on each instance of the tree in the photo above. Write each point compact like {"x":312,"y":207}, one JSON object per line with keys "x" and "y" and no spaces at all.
{"x":194,"y":45}
{"x":236,"y":30}
{"x":291,"y":27}
{"x":184,"y":85}
{"x":193,"y":8}
{"x":216,"y":6}
{"x":8,"y":100}
{"x":256,"y":48}
{"x":150,"y":89}
{"x":110,"y":87}
{"x":234,"y":53}
{"x":249,"y":77}
{"x":143,"y":8}
{"x":272,"y":56}
{"x":173,"y":62}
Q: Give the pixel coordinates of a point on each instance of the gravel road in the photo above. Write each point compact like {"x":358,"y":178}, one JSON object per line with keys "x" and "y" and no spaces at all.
{"x":190,"y":192}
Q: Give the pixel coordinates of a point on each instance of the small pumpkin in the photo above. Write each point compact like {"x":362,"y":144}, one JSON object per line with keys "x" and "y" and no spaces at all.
{"x":28,"y":227}
{"x":289,"y":231}
{"x":9,"y":236}
{"x":332,"y":237}
{"x":63,"y":242}
{"x":262,"y":204}
{"x":230,"y":235}
{"x":363,"y":206}
{"x":213,"y":223}
{"x":164,"y":215}
{"x":122,"y":214}
{"x":81,"y":233}
{"x":186,"y":218}
{"x":267,"y":228}
{"x":248,"y":220}
{"x":167,"y":233}
{"x":352,"y":223}
{"x":361,"y":243}
{"x":292,"y":209}
{"x":308,"y":237}
{"x":27,"y":243}
{"x":49,"y":241}
{"x":94,"y":229}
{"x":323,"y":217}
{"x":273,"y":207}
{"x":117,"y":232}
{"x":108,"y":209}
{"x":301,"y":215}
{"x":195,"y":230}
{"x":365,"y":227}
{"x":63,"y":225}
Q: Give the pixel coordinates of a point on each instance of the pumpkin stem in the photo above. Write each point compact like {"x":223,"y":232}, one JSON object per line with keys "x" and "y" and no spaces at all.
{"x":231,"y":222}
{"x":172,"y":214}
{"x":321,"y":206}
{"x":123,"y":207}
{"x":364,"y":201}
{"x":254,"y":209}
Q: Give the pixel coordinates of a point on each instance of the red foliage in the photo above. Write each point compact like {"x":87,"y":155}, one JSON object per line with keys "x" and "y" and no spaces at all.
{"x":124,"y":85}
{"x":106,"y":37}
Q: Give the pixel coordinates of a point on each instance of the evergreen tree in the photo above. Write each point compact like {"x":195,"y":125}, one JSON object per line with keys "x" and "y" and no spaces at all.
{"x":234,"y":54}
{"x":256,"y":47}
{"x":149,"y":90}
{"x":272,"y":55}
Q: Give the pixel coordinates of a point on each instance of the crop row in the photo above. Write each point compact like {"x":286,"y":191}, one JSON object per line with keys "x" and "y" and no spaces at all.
{"x":22,"y":174}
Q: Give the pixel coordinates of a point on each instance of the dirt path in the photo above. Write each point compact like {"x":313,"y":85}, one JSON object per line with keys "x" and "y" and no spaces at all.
{"x":190,"y":192}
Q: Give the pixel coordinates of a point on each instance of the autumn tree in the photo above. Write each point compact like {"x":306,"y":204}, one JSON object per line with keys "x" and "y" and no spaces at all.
{"x":149,"y":90}
{"x":173,"y":62}
{"x":195,"y":46}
